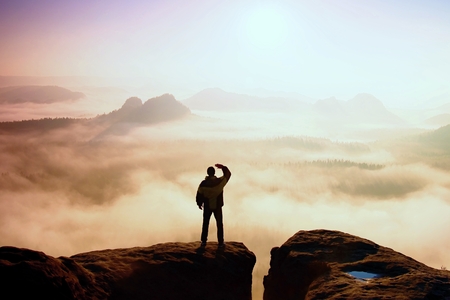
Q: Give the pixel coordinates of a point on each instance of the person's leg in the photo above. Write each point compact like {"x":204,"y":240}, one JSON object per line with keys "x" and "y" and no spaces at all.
{"x":219,"y":222}
{"x":206,"y":216}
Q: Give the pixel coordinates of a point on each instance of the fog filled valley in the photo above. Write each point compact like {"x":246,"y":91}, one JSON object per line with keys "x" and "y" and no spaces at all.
{"x":129,"y":177}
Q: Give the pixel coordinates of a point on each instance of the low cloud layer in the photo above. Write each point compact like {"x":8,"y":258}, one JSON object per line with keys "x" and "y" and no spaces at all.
{"x":66,"y":193}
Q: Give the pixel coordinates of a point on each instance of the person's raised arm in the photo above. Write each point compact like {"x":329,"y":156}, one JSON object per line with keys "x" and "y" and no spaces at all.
{"x":225,"y":170}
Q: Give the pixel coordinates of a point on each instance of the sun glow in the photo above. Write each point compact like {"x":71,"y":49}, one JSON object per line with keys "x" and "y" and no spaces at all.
{"x":267,"y":28}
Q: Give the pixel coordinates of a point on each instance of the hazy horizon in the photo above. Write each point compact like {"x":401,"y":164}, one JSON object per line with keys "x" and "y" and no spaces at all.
{"x":395,"y":51}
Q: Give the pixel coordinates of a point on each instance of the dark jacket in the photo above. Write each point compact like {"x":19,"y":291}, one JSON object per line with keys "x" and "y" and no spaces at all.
{"x":210,"y":190}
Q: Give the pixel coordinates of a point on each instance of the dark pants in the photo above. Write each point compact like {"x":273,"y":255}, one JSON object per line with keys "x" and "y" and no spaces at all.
{"x":206,"y":217}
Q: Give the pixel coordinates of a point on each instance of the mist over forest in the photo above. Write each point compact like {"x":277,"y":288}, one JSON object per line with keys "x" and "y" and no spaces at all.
{"x":128,"y":176}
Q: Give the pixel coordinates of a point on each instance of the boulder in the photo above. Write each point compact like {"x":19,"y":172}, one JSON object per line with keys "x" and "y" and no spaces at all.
{"x":162,"y":271}
{"x":28,"y":274}
{"x":173,"y":271}
{"x":324,"y":264}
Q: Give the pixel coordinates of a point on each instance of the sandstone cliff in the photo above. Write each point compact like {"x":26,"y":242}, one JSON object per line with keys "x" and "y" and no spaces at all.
{"x":28,"y":274}
{"x":162,"y":271}
{"x":319,"y":264}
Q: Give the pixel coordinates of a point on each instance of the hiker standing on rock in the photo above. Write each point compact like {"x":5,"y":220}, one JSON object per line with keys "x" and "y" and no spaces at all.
{"x":210,"y":199}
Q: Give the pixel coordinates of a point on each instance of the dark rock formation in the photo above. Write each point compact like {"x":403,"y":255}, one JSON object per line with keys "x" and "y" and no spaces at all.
{"x":28,"y":274}
{"x":159,"y":109}
{"x":133,"y":114}
{"x":173,"y":271}
{"x":132,"y":103}
{"x":163,"y":271}
{"x":316,"y":264}
{"x":155,"y":110}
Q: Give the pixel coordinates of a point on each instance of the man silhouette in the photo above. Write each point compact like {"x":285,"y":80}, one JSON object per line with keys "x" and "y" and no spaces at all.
{"x":210,"y":199}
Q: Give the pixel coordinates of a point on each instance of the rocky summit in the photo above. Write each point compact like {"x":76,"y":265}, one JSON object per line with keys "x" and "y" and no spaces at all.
{"x":163,"y":271}
{"x":317,"y":264}
{"x":324,"y":264}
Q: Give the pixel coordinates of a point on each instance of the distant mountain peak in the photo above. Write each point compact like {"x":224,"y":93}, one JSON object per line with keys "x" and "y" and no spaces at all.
{"x":134,"y":113}
{"x":370,"y":109}
{"x":132,"y":102}
{"x":330,"y":106}
{"x":157,"y":109}
{"x":165,"y":98}
{"x":363,"y":108}
{"x":365,"y":100}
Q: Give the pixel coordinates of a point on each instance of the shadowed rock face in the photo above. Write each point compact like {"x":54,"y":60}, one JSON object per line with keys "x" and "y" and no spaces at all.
{"x":163,"y":271}
{"x":173,"y":271}
{"x":28,"y":274}
{"x":315,"y":265}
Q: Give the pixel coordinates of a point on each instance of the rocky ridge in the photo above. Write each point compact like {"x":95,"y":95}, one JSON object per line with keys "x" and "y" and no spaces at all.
{"x":316,"y":264}
{"x":319,"y":264}
{"x":163,"y":271}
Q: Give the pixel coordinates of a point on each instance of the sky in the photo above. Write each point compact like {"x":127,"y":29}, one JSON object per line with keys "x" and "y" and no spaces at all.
{"x":395,"y":50}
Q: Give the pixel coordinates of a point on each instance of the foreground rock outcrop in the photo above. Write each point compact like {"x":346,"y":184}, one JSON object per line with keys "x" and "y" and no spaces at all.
{"x":28,"y":274}
{"x":162,"y":271}
{"x":317,"y":265}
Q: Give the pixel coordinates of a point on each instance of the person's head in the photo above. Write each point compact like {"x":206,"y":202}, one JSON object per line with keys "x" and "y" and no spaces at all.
{"x":211,"y":171}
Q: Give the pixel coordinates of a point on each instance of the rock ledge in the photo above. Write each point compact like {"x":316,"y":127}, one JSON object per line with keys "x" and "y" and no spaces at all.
{"x":162,"y":271}
{"x":316,"y":264}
